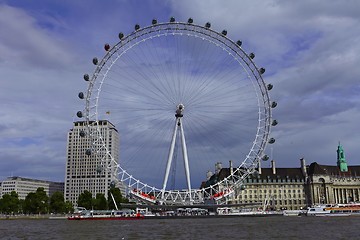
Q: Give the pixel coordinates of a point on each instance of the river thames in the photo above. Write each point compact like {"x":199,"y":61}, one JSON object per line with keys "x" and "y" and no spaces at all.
{"x":196,"y":228}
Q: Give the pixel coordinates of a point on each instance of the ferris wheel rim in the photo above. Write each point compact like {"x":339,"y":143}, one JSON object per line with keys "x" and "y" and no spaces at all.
{"x":263,"y":131}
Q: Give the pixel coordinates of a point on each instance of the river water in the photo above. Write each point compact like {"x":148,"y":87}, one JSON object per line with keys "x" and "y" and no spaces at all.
{"x":196,"y":228}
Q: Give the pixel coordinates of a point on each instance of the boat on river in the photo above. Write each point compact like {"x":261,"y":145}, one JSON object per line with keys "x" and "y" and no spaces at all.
{"x":247,"y":212}
{"x":349,"y":209}
{"x":106,"y":215}
{"x":292,"y":213}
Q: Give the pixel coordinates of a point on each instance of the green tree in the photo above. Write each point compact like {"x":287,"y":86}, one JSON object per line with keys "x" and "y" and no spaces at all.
{"x":37,"y":202}
{"x":30,"y":203}
{"x":10,"y":203}
{"x":57,"y":203}
{"x":69,"y":208}
{"x":21,"y":205}
{"x":100,"y":203}
{"x":85,"y":200}
{"x":43,"y":200}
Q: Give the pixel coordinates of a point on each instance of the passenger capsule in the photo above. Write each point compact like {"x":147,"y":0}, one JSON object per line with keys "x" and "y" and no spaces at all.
{"x":82,"y":133}
{"x":274,"y":122}
{"x":242,"y":187}
{"x":269,"y":86}
{"x":265,"y":157}
{"x":271,"y":140}
{"x":154,"y":21}
{"x":99,"y":169}
{"x":112,"y":184}
{"x":121,"y":35}
{"x":208,"y":25}
{"x":88,"y":152}
{"x":239,"y":43}
{"x":86,"y":77}
{"x":95,"y":61}
{"x":79,"y":114}
{"x":255,"y":173}
{"x":172,"y":19}
{"x":224,"y":32}
{"x":81,"y":95}
{"x":190,"y":20}
{"x":252,"y":55}
{"x":273,"y":104}
{"x":106,"y":47}
{"x":262,"y":70}
{"x":137,"y":27}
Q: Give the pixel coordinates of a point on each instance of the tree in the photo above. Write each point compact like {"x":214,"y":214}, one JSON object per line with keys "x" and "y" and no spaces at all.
{"x":85,"y":200}
{"x":57,"y":203}
{"x":69,"y":207}
{"x":30,"y":203}
{"x":43,"y":200}
{"x":10,"y":203}
{"x":21,"y":205}
{"x":37,"y":202}
{"x":100,"y":203}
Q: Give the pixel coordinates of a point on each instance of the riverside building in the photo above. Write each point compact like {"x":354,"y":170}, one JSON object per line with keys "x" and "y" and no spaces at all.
{"x":90,"y":172}
{"x":334,"y":184}
{"x":280,"y":188}
{"x":24,"y":186}
{"x":298,"y":188}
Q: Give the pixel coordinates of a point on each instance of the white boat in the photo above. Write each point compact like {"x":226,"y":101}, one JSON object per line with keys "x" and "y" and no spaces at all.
{"x":127,"y":214}
{"x":247,"y":212}
{"x":145,"y":212}
{"x":291,"y":213}
{"x":318,"y":210}
{"x":254,"y":211}
{"x":348,"y":209}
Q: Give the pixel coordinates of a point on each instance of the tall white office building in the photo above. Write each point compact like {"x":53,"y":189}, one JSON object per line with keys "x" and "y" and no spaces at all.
{"x":88,"y":171}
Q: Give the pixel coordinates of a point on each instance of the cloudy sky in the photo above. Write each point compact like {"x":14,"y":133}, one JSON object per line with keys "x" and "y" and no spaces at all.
{"x":309,"y":49}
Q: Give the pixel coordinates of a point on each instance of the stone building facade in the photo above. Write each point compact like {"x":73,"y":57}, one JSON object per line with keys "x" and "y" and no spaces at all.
{"x":279,"y":188}
{"x":327,"y":184}
{"x":297,"y":188}
{"x":334,"y":184}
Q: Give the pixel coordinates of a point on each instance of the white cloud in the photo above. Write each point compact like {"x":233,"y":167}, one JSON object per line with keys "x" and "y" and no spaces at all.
{"x":37,"y":95}
{"x":24,"y":43}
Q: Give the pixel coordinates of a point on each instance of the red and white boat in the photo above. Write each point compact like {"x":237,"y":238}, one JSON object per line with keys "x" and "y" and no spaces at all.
{"x":106,"y":215}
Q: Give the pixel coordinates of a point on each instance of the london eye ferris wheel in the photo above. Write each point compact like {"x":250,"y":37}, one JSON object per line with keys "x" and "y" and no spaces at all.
{"x":183,"y":98}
